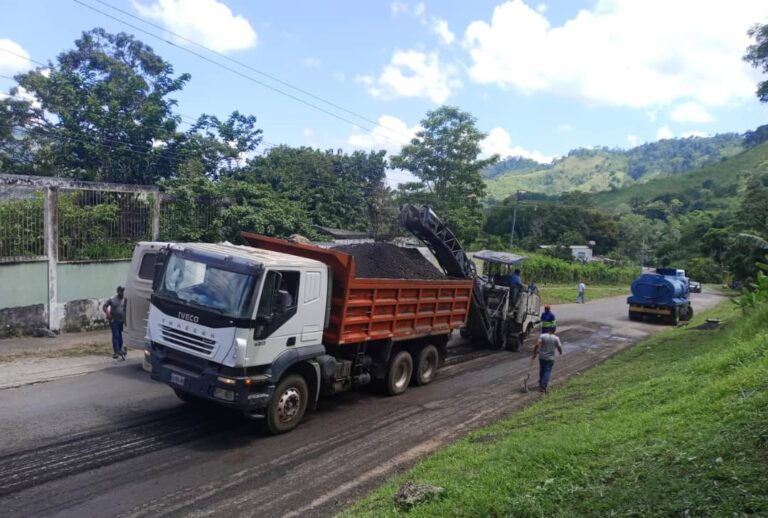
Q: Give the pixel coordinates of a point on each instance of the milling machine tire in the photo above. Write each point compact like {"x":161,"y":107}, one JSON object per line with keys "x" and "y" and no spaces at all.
{"x":688,"y":314}
{"x":426,"y":365}
{"x":288,"y":404}
{"x":399,"y":372}
{"x":500,"y":335}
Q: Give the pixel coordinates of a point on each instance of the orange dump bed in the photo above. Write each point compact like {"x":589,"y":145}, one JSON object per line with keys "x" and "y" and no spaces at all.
{"x":374,"y":309}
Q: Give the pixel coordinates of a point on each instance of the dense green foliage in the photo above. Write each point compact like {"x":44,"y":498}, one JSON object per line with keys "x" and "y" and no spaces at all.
{"x":444,"y":157}
{"x":107,"y":104}
{"x":543,"y":269}
{"x":603,"y":169}
{"x":757,"y":56}
{"x":675,"y":426}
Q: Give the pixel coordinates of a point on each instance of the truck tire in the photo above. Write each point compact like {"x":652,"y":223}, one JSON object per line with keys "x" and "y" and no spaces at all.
{"x":288,"y":404}
{"x":399,"y":372}
{"x":635,"y":316}
{"x":674,"y":318}
{"x":688,"y":314}
{"x":426,"y":365}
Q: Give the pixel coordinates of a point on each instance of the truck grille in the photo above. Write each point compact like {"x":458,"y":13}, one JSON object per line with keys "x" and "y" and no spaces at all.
{"x":188,"y":340}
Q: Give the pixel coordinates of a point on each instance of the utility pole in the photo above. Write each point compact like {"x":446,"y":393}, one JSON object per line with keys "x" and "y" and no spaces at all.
{"x":514,"y":218}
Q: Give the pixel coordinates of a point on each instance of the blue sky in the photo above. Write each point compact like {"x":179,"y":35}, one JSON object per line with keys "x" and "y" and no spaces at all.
{"x":541,"y":77}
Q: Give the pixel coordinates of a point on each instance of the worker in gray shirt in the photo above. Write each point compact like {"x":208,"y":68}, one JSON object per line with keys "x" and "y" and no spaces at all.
{"x":546,"y":346}
{"x":115,"y":310}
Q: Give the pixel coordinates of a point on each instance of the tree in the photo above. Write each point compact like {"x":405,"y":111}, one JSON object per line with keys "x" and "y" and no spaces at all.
{"x":212,"y":147}
{"x":757,"y":56}
{"x":335,"y":189}
{"x":444,"y":157}
{"x":102,"y":111}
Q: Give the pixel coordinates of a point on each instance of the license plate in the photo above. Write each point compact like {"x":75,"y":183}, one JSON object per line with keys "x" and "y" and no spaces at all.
{"x":177,"y":379}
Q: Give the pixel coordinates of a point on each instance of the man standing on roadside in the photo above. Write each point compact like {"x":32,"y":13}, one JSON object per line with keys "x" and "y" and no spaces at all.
{"x":115,"y":311}
{"x":582,"y":289}
{"x":546,"y":346}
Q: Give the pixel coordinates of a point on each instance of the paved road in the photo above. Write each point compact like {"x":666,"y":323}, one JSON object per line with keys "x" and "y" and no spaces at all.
{"x":115,"y":443}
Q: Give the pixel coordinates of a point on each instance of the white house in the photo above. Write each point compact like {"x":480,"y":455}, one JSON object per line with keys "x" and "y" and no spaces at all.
{"x":580,"y":252}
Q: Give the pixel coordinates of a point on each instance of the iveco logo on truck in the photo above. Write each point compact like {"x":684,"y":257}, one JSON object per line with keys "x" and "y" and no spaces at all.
{"x":190,"y":317}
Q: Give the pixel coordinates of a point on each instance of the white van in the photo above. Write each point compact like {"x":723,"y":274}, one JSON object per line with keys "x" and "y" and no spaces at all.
{"x":138,"y":289}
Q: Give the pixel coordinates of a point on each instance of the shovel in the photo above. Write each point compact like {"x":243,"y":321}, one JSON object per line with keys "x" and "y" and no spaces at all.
{"x":528,"y":375}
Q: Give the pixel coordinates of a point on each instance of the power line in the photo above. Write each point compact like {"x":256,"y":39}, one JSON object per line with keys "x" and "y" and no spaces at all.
{"x":237,"y":72}
{"x":253,"y":69}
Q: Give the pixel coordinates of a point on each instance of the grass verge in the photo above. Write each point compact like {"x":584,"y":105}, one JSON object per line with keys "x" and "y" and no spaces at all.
{"x":675,"y":426}
{"x":566,"y":294}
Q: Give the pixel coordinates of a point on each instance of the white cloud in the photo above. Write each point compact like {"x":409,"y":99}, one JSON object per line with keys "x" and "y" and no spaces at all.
{"x":564,"y":127}
{"x":398,"y":7}
{"x":391,"y":135}
{"x":312,"y":63}
{"x":418,"y":10}
{"x":664,"y":133}
{"x":207,"y":22}
{"x":694,"y":133}
{"x":22,"y":94}
{"x":691,"y":111}
{"x":440,"y":27}
{"x":11,"y":64}
{"x":542,"y":8}
{"x":499,"y":142}
{"x":413,"y":74}
{"x":609,"y":55}
{"x":633,"y":140}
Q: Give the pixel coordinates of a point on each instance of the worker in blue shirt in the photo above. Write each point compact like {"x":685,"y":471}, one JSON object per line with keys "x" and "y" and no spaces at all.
{"x":515,"y":280}
{"x":516,"y":286}
{"x":548,"y":322}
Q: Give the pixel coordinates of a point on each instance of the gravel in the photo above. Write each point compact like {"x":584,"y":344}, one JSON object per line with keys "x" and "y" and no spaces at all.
{"x":387,"y":261}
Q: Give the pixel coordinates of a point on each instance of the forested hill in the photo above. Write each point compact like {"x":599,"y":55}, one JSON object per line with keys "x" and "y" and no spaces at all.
{"x":603,"y":169}
{"x":712,"y":186}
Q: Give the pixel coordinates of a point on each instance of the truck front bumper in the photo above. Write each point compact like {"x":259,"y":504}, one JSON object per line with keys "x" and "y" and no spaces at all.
{"x":200,"y":379}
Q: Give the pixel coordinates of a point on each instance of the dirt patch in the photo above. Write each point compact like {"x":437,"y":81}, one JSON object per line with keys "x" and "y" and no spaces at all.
{"x":387,"y":261}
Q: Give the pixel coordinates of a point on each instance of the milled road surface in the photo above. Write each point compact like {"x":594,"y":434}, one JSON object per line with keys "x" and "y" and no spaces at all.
{"x":115,"y":443}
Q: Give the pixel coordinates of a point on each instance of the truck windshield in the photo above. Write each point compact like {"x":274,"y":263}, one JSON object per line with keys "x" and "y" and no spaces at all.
{"x":200,"y":284}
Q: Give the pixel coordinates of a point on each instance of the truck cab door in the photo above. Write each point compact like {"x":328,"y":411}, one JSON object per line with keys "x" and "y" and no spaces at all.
{"x":290,"y":311}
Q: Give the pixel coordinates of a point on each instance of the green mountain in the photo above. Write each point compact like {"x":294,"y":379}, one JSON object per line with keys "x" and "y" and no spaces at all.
{"x":603,"y":169}
{"x":711,"y":186}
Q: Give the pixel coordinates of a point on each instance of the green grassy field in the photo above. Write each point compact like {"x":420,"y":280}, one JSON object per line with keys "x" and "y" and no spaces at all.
{"x":675,"y":426}
{"x":565,"y":294}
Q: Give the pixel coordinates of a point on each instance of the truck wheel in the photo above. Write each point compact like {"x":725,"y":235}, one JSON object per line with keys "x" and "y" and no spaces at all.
{"x":399,"y":373}
{"x":289,"y":402}
{"x":634,"y":315}
{"x":426,"y":365}
{"x":674,"y":318}
{"x":688,"y":314}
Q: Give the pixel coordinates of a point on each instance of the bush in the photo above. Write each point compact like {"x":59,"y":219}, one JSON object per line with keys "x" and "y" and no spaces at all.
{"x":541,"y":269}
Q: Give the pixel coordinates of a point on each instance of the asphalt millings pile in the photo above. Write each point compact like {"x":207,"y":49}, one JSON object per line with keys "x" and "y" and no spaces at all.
{"x":387,"y":261}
